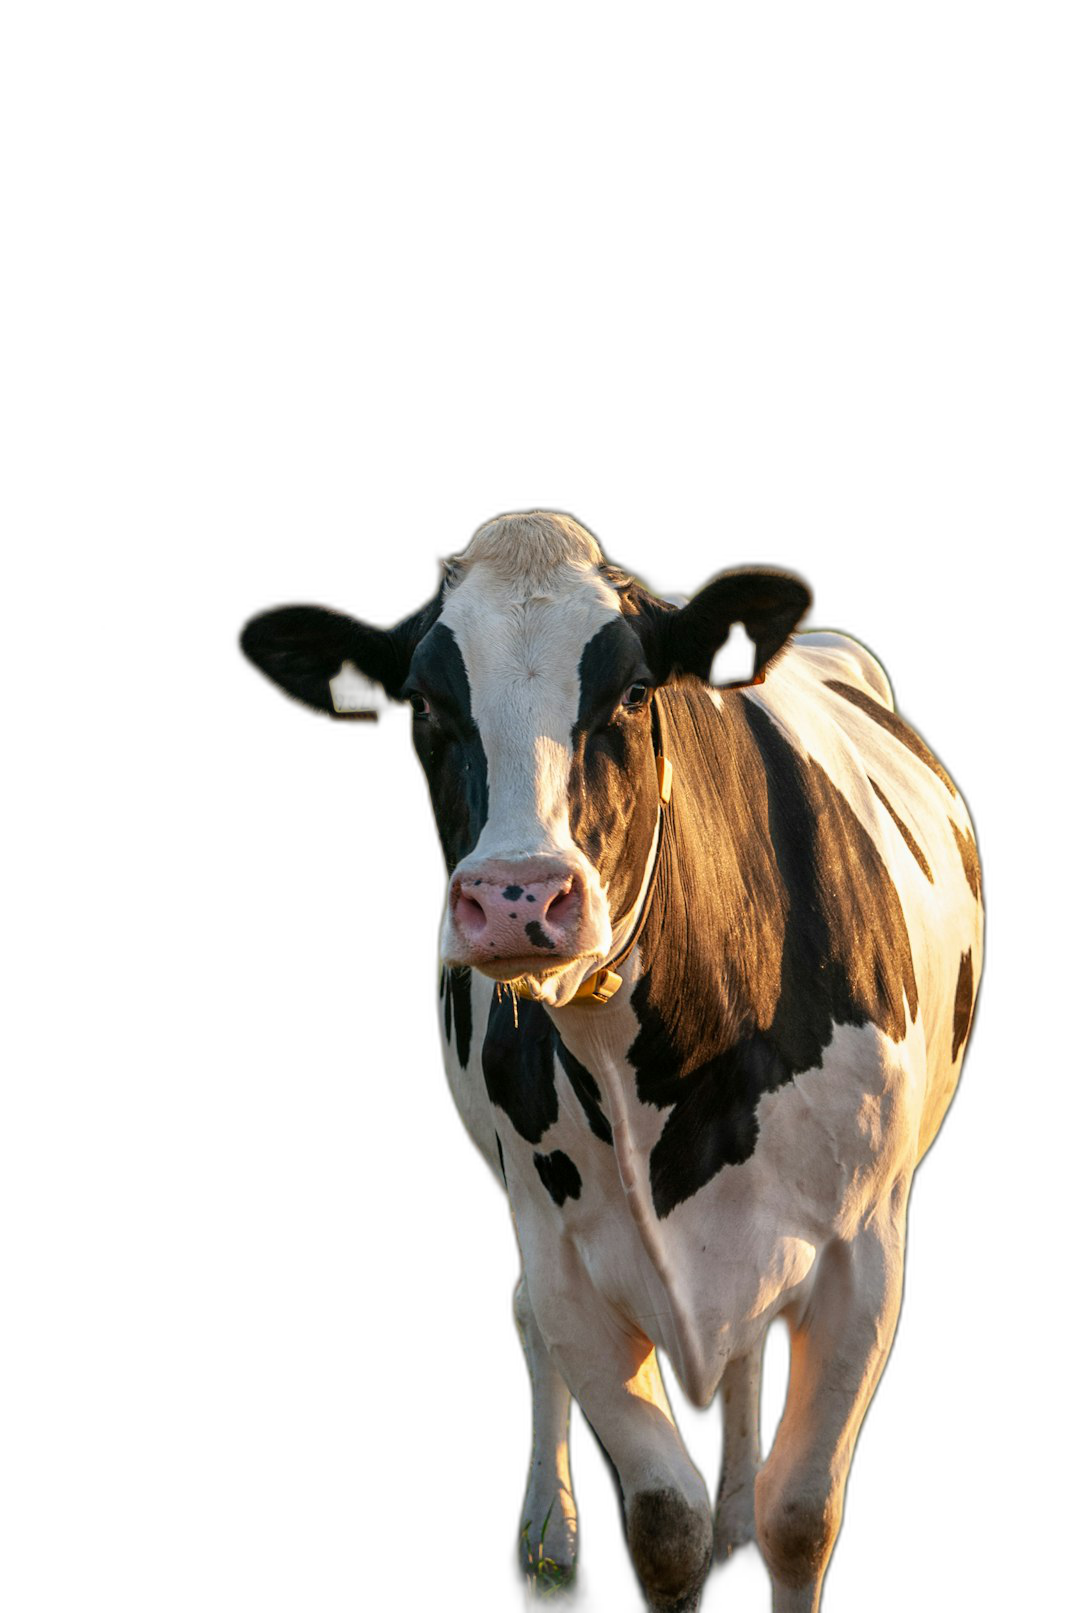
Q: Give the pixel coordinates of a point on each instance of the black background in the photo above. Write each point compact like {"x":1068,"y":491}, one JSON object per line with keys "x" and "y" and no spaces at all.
{"x":369,"y":1387}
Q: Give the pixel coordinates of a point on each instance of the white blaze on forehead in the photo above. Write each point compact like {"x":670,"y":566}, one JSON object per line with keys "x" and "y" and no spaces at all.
{"x":528,"y":601}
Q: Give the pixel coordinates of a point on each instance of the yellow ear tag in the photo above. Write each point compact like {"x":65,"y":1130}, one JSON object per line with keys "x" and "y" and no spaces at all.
{"x":664,"y":777}
{"x":355,"y":697}
{"x":739,"y":660}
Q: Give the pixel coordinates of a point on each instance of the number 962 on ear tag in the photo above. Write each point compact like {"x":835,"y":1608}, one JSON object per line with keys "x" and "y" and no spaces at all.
{"x":355,"y":697}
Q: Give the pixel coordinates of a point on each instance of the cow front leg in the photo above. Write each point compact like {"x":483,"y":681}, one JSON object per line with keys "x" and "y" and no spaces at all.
{"x":547,"y":1542}
{"x":839,"y":1345}
{"x":740,"y":1402}
{"x":615,"y":1377}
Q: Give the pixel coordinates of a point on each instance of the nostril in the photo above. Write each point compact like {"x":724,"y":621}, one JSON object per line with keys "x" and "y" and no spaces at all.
{"x":563,"y":908}
{"x":469,"y":914}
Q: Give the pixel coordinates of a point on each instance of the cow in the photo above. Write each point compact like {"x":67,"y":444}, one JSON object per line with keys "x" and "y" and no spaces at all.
{"x":709,"y":964}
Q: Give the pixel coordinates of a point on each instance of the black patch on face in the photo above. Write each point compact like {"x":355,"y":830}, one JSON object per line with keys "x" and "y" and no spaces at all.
{"x":559,"y":1175}
{"x":512,"y":893}
{"x":774,"y":919}
{"x":519,"y":1065}
{"x":963,"y":1005}
{"x":969,"y":856}
{"x":537,"y":936}
{"x":906,"y":834}
{"x":585,"y":1091}
{"x":613,"y":791}
{"x":459,"y":995}
{"x":448,"y":743}
{"x":893,"y":725}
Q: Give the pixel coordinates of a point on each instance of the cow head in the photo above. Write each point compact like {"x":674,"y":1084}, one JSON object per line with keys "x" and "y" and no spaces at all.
{"x":531,"y":677}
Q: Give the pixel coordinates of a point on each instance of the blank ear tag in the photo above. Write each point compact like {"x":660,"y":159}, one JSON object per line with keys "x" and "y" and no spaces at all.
{"x":664,"y":777}
{"x":733,"y":663}
{"x":356,"y":696}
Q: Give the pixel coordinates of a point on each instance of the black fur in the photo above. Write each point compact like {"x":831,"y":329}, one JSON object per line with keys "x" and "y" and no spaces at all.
{"x":519,"y":1070}
{"x":969,"y":856}
{"x":559,"y":1175}
{"x":613,"y":794}
{"x":519,"y":1065}
{"x":459,"y":997}
{"x":964,"y":1004}
{"x":768,"y":603}
{"x":448,"y":743}
{"x":585,"y":1091}
{"x":301,"y":647}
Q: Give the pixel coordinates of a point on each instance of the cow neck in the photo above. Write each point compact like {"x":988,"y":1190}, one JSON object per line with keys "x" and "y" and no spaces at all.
{"x":602,"y":985}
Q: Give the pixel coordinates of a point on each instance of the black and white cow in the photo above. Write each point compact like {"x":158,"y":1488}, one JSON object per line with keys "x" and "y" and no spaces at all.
{"x":710,"y":961}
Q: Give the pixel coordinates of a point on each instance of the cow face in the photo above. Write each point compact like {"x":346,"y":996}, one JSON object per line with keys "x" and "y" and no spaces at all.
{"x":531,"y":677}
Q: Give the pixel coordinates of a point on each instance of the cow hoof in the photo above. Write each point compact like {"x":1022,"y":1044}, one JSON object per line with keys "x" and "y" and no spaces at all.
{"x":547,"y":1547}
{"x":734,"y":1523}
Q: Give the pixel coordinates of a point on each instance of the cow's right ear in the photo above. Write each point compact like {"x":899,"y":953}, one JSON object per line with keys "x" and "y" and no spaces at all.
{"x":329,"y":661}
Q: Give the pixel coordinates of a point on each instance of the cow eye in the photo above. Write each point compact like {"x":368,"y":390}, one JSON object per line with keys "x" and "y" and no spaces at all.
{"x":420,"y":706}
{"x":635,"y":697}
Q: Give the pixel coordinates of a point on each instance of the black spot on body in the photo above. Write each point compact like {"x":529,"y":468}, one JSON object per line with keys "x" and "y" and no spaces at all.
{"x":528,"y":898}
{"x":894,"y":725}
{"x":519,"y":1065}
{"x":963,"y":1005}
{"x":586,"y":1092}
{"x":969,"y":856}
{"x":513,"y":892}
{"x":519,"y":1071}
{"x":502,"y":1161}
{"x":774,"y":919}
{"x":559,"y":1175}
{"x":460,"y":993}
{"x":905,"y":833}
{"x":537,"y":936}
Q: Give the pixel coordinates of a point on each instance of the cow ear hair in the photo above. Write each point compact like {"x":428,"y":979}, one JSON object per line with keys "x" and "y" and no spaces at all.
{"x":304,"y":648}
{"x":768,"y":603}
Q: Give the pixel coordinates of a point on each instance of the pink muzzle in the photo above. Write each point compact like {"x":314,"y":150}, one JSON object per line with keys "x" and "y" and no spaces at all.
{"x":533,"y":910}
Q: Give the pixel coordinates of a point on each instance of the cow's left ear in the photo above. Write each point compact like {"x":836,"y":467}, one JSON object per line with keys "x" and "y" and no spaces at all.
{"x":768,"y":603}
